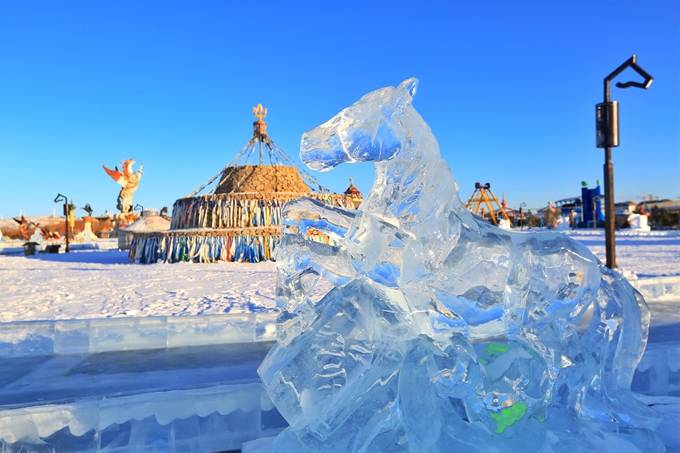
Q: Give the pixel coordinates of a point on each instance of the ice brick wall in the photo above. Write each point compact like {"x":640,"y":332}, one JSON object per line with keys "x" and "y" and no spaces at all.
{"x":203,"y":420}
{"x":135,"y":384}
{"x":30,"y":338}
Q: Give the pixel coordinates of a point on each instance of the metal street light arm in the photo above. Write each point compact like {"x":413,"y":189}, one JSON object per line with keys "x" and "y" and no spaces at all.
{"x":629,"y":63}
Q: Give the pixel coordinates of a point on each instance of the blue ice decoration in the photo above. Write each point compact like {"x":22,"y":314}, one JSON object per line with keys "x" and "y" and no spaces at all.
{"x":440,"y":332}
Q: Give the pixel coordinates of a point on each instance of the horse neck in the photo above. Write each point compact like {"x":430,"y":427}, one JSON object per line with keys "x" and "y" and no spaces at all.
{"x":417,"y":177}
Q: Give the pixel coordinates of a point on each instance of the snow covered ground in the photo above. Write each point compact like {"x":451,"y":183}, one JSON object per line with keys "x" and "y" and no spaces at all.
{"x":97,"y":283}
{"x":653,"y":254}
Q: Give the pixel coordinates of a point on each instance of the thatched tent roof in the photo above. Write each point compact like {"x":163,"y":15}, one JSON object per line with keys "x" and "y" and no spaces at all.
{"x":261,"y":179}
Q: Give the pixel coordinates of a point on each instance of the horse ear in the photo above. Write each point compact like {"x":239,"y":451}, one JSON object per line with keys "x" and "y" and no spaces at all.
{"x":409,"y":87}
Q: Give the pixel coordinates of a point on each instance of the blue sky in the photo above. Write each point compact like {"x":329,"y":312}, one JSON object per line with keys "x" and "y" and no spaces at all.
{"x":508,"y":87}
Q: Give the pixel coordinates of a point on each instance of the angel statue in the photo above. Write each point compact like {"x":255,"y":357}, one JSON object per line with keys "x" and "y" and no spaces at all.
{"x":129,"y":180}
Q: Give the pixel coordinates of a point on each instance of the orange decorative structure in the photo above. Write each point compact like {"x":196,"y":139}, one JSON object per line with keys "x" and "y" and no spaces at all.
{"x":483,"y":196}
{"x":129,"y":180}
{"x":72,"y":218}
{"x":24,"y":227}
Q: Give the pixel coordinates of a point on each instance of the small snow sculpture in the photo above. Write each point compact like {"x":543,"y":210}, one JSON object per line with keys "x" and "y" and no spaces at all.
{"x":563,"y":223}
{"x":638,"y":222}
{"x":87,"y":235}
{"x":442,"y":332}
{"x":38,"y":238}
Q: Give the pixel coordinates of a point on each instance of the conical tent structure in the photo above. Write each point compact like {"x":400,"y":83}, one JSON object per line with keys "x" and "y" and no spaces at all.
{"x":354,"y":193}
{"x":236,"y":215}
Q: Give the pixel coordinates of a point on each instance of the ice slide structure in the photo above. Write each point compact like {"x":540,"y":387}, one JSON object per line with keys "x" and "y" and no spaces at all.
{"x":442,"y":332}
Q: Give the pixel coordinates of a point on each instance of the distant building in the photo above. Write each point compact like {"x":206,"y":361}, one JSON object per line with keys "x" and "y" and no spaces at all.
{"x":665,"y":204}
{"x":625,"y":208}
{"x":582,"y":210}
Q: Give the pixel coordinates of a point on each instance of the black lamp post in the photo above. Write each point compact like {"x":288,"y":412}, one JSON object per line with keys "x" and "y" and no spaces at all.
{"x":607,"y":137}
{"x":67,"y":208}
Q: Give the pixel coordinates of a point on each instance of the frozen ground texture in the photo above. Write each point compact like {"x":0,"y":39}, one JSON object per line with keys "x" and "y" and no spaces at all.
{"x":443,"y":332}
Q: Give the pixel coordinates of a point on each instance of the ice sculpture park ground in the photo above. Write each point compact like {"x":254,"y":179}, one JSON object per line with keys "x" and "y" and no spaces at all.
{"x":99,"y":284}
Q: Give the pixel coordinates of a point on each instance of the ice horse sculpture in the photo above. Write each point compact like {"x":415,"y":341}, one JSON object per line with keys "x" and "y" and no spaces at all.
{"x":441,"y":332}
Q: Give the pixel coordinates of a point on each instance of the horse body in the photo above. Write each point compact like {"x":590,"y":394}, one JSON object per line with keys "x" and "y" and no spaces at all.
{"x":521,"y":339}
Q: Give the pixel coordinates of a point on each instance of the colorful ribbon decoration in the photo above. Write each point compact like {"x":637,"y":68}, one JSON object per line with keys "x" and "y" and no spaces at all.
{"x":219,"y":211}
{"x":153,"y":248}
{"x":219,"y":227}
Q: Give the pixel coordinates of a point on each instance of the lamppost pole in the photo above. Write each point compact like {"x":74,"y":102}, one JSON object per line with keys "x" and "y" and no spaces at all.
{"x":607,"y":137}
{"x":67,"y":208}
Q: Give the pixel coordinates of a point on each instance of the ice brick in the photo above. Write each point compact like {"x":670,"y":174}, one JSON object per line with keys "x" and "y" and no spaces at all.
{"x":211,"y":329}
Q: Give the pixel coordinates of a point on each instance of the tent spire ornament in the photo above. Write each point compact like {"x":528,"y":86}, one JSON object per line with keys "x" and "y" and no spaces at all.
{"x":260,"y":129}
